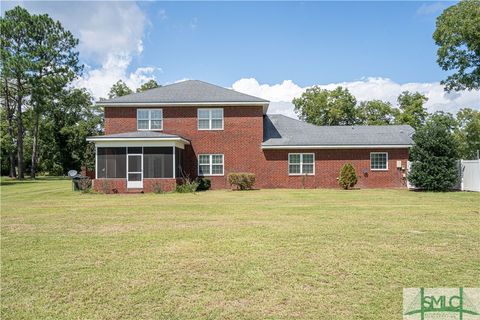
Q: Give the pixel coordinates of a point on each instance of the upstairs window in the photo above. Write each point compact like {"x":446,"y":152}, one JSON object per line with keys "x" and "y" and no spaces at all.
{"x":210,"y":165}
{"x":149,"y":119}
{"x":379,"y":161}
{"x":301,"y":163}
{"x":210,"y":119}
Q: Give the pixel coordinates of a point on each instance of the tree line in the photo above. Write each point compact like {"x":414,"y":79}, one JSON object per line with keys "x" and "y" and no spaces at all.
{"x":44,"y":119}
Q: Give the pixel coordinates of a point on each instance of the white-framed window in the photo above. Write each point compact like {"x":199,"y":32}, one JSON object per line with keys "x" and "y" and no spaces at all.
{"x":301,"y":163}
{"x":378,"y":161}
{"x":210,"y":119}
{"x":149,"y":119}
{"x":210,"y":165}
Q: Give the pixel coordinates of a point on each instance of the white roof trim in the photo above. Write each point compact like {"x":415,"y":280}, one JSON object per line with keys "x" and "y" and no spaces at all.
{"x":384,"y":146}
{"x":96,"y":139}
{"x":182,"y":104}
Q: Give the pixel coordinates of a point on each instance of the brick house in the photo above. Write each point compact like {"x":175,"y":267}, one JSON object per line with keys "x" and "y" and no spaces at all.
{"x":196,"y":129}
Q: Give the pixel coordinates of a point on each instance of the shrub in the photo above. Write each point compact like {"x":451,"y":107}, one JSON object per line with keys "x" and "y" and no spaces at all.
{"x":105,"y":186}
{"x":203,"y":184}
{"x":187,"y":186}
{"x":348,"y":176}
{"x":158,"y":189}
{"x":242,"y":180}
{"x":85,"y":184}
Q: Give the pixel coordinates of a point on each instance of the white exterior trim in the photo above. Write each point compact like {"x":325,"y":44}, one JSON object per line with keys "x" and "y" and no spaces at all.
{"x":301,"y":165}
{"x":150,"y":119}
{"x":210,"y":163}
{"x":210,"y":119}
{"x":135,"y":184}
{"x":385,"y":146}
{"x":386,"y":153}
{"x":177,"y":144}
{"x":166,"y":139}
{"x":183,"y":104}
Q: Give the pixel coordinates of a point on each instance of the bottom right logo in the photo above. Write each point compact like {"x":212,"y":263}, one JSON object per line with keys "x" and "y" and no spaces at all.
{"x":441,"y":303}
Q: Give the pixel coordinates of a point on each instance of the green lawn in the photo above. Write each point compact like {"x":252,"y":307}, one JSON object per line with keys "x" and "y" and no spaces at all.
{"x":268,"y":254}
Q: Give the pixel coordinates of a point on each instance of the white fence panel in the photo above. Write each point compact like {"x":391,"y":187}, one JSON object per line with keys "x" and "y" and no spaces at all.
{"x":470,"y":175}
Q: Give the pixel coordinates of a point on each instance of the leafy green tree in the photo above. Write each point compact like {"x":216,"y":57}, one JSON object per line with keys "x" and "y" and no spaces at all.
{"x":434,"y":156}
{"x":326,"y":107}
{"x":119,"y":89}
{"x":458,"y":36}
{"x":16,"y":39}
{"x":376,"y":112}
{"x":151,"y":84}
{"x":468,"y":133}
{"x":55,"y":65}
{"x":412,"y":110}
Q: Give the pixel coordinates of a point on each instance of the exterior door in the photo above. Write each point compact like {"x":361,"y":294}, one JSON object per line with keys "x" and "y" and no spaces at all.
{"x":135,"y":171}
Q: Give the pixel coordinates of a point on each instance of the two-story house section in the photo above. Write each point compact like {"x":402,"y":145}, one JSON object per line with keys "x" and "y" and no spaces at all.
{"x":196,"y":129}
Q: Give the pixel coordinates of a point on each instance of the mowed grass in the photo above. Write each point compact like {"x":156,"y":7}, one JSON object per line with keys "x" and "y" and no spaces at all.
{"x":267,"y":254}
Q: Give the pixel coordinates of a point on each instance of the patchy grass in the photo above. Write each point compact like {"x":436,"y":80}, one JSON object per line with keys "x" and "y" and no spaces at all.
{"x":268,"y":254}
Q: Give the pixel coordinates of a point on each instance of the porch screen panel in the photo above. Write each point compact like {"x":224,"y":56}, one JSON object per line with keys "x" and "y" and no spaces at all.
{"x":158,"y":162}
{"x":178,"y":162}
{"x":111,"y":162}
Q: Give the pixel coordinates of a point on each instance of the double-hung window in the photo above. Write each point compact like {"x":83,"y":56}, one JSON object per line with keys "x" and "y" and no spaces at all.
{"x":301,"y":163}
{"x":379,"y":161}
{"x":210,"y":119}
{"x":149,"y":119}
{"x":210,"y":165}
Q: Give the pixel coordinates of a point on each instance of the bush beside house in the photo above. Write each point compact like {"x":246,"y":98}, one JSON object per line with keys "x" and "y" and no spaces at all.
{"x":348,"y":176}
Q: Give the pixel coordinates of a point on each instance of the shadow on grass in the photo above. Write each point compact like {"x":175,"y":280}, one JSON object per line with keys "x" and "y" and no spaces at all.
{"x":7,"y":181}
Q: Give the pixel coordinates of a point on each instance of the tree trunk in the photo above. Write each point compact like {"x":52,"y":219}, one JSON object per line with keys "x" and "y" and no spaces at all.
{"x":10,"y":113}
{"x":21,"y":170}
{"x":33,"y":170}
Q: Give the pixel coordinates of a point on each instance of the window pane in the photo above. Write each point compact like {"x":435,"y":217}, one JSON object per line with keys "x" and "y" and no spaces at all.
{"x":134,"y":177}
{"x":142,"y":114}
{"x":378,"y":161}
{"x":307,"y":158}
{"x":114,"y":165}
{"x":156,"y":114}
{"x":217,"y":113}
{"x":204,"y":159}
{"x":308,"y":168}
{"x":142,"y":124}
{"x":294,"y":168}
{"x":204,"y":169}
{"x":156,"y":124}
{"x":217,"y":124}
{"x":203,"y":124}
{"x":137,"y":150}
{"x":217,"y":169}
{"x":294,"y":158}
{"x":217,"y":159}
{"x":203,"y":113}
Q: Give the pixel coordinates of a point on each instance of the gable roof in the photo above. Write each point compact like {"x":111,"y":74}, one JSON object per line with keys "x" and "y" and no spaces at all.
{"x":280,"y":131}
{"x":186,"y":92}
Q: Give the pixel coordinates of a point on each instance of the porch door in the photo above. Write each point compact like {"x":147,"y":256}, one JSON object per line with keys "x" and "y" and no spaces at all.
{"x":135,"y":171}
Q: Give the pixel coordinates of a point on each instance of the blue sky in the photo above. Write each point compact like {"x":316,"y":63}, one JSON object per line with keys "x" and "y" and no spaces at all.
{"x":274,"y":50}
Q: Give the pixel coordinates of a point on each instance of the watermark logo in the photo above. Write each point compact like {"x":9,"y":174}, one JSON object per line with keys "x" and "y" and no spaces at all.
{"x":441,"y":303}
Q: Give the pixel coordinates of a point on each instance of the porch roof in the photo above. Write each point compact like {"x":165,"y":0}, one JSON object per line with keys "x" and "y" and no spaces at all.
{"x":139,"y":136}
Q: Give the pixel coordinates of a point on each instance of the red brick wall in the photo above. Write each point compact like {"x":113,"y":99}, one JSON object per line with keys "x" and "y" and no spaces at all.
{"x":120,"y":185}
{"x":240,"y":142}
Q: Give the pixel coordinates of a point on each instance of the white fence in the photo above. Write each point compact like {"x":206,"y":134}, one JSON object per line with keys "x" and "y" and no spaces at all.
{"x":469,"y":175}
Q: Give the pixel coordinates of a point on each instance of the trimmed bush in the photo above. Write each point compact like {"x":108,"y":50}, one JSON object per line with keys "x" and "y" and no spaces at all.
{"x":348,"y":177}
{"x":203,"y":184}
{"x":187,"y":186}
{"x":242,"y":180}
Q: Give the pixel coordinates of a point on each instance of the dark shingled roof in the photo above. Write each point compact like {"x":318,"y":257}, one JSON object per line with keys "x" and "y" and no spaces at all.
{"x":190,"y":91}
{"x":279,"y":130}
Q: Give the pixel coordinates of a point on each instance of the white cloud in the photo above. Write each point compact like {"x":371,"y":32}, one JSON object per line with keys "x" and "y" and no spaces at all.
{"x":370,"y":88}
{"x":431,"y":8}
{"x":110,"y":36}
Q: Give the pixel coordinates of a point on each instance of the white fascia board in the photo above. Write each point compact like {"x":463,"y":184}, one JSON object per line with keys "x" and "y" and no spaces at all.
{"x":184,"y":104}
{"x":384,"y":146}
{"x":98,"y":139}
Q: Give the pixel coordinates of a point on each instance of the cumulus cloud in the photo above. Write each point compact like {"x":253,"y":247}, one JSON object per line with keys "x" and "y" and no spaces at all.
{"x":110,"y":36}
{"x":282,"y":94}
